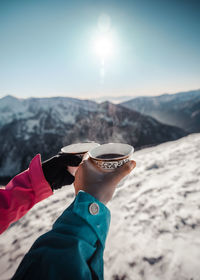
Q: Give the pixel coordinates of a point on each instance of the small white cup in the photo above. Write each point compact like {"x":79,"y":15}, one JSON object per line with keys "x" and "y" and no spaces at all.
{"x":123,"y":154}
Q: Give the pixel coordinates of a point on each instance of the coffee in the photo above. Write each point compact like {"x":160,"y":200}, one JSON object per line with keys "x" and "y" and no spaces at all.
{"x":109,"y":156}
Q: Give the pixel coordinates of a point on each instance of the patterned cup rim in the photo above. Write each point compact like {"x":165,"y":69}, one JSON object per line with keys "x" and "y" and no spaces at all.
{"x":111,"y":159}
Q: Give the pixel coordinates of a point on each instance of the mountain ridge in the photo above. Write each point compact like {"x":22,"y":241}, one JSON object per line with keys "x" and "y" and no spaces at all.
{"x":181,"y":109}
{"x":46,"y":125}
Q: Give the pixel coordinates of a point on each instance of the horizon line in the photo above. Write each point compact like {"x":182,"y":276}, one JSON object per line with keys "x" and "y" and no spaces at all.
{"x":99,"y":96}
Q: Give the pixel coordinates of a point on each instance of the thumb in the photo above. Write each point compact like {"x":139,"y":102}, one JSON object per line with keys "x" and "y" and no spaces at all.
{"x":124,"y":170}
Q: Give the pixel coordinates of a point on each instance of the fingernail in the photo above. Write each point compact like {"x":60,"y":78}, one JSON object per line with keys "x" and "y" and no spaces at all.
{"x":132,"y":163}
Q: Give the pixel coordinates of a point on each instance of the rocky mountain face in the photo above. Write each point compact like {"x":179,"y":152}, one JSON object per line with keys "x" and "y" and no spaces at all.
{"x":181,"y":109}
{"x":113,"y":123}
{"x":44,"y":125}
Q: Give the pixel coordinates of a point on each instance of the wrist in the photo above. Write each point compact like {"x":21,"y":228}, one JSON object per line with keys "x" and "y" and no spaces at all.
{"x":100,"y":197}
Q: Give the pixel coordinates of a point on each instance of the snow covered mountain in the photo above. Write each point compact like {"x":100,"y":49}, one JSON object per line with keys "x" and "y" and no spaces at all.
{"x":35,"y":125}
{"x":155,"y":224}
{"x":63,"y":108}
{"x":180,"y":109}
{"x":44,"y":125}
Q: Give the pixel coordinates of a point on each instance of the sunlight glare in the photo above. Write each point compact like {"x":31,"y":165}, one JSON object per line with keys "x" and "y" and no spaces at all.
{"x":103,"y":46}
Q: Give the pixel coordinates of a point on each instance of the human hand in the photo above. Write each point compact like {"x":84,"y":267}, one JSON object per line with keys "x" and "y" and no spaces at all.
{"x":55,"y":169}
{"x":100,"y":183}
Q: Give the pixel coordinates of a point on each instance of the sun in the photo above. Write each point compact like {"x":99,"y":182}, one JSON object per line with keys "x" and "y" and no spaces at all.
{"x":103,"y":46}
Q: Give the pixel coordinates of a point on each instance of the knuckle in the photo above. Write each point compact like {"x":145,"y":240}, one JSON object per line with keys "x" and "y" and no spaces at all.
{"x":129,"y":166}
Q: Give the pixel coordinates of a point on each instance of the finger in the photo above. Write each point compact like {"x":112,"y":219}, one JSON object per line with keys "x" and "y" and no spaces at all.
{"x":85,"y":156}
{"x":124,"y":170}
{"x":70,"y":159}
{"x":72,"y":169}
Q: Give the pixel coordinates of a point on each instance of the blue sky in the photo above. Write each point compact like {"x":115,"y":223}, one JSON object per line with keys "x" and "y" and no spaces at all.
{"x":46,"y":47}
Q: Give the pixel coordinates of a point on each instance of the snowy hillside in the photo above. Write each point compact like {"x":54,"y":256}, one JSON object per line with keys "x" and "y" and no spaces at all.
{"x":155,"y":225}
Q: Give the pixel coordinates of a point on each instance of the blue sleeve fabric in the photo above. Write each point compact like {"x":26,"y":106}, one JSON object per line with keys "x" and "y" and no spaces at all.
{"x":73,"y":249}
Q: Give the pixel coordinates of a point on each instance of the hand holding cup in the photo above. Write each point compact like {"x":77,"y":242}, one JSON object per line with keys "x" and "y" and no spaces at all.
{"x":98,"y":182}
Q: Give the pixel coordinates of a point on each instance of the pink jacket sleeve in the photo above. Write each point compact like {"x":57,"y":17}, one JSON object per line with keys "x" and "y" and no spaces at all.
{"x":22,"y":193}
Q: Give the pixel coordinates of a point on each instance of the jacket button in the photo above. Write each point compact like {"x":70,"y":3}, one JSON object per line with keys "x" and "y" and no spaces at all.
{"x":94,"y":208}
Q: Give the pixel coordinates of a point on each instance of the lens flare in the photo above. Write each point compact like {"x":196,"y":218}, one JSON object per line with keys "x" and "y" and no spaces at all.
{"x":103,"y":46}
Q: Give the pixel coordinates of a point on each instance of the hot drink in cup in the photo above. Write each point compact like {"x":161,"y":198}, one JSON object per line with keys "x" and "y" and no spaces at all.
{"x":78,"y":149}
{"x":112,"y":155}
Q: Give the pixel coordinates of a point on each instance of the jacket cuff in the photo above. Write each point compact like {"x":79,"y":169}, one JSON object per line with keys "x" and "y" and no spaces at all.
{"x":100,"y":221}
{"x":39,"y":184}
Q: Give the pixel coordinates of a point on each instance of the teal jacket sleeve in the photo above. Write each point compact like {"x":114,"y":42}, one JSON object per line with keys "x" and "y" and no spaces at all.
{"x":73,"y":249}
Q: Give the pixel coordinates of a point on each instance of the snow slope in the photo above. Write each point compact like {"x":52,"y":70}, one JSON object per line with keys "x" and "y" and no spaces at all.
{"x":155,"y":225}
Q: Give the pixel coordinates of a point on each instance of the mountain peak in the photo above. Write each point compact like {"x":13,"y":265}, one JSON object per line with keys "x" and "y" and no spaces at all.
{"x":106,"y":104}
{"x":9,"y":97}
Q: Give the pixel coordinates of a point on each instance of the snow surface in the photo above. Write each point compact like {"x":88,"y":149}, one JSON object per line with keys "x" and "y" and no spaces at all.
{"x":155,"y":226}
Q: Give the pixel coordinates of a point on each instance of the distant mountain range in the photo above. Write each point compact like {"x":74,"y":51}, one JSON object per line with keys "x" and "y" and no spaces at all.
{"x":113,"y":99}
{"x":44,"y":125}
{"x":181,"y":109}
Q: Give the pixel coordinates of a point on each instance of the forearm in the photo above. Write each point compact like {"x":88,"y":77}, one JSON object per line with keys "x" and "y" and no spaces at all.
{"x":22,"y":192}
{"x":73,"y":249}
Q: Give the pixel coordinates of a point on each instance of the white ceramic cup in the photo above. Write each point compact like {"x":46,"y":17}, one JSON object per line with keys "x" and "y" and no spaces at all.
{"x":78,"y":149}
{"x":123,"y":153}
